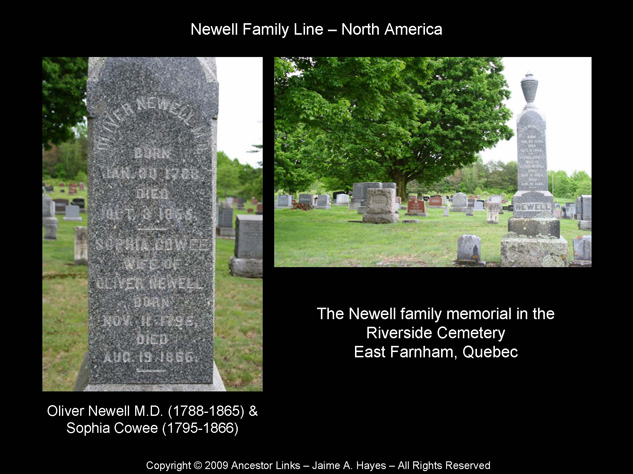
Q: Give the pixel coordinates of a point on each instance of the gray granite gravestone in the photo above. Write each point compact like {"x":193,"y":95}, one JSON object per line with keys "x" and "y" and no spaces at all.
{"x":357,"y":196}
{"x":533,"y":238}
{"x":81,"y":246}
{"x":72,"y":213}
{"x":306,"y":199}
{"x":494,"y":208}
{"x":460,"y":202}
{"x":249,"y":247}
{"x":152,"y":188}
{"x":584,"y":222}
{"x":224,"y":226}
{"x":49,"y":221}
{"x":582,"y":251}
{"x":323,"y":202}
{"x":284,"y":200}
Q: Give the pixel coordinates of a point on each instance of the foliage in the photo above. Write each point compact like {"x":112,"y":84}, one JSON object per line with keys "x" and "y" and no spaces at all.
{"x":63,"y":91}
{"x":378,"y":118}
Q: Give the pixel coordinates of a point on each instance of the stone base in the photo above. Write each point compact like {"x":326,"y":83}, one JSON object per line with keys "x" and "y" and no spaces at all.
{"x":82,"y":384}
{"x":584,"y":225}
{"x":228,"y":232}
{"x":419,"y":214}
{"x":346,"y":204}
{"x":387,"y":218}
{"x":246,"y":267}
{"x":540,"y":251}
{"x":323,"y":207}
{"x":535,"y":226}
{"x":459,"y":209}
{"x":78,"y":219}
{"x":580,"y":263}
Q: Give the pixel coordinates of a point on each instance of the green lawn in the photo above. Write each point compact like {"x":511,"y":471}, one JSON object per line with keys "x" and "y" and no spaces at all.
{"x":238,"y":315}
{"x":326,"y":238}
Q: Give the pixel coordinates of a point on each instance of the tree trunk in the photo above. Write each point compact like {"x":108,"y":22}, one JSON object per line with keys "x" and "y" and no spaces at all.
{"x":401,"y":185}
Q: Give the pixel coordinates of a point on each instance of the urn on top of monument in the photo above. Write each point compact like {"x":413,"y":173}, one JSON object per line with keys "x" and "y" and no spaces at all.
{"x":529,"y":84}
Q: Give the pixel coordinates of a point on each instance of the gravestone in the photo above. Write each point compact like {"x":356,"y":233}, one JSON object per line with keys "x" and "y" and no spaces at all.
{"x":342,"y":200}
{"x":470,"y":211}
{"x":363,"y":200}
{"x":357,"y":196}
{"x":460,"y":202}
{"x":72,"y":213}
{"x":479,"y":205}
{"x":446,"y":211}
{"x":81,"y":202}
{"x":468,"y":249}
{"x":306,"y":199}
{"x":494,"y":208}
{"x":152,"y":190}
{"x":82,"y":187}
{"x":260,"y":208}
{"x":247,"y":261}
{"x":582,"y":251}
{"x":253,"y":200}
{"x":533,"y":238}
{"x":435,"y":202}
{"x":584,"y":222}
{"x":284,"y":200}
{"x":49,"y":221}
{"x":416,"y":207}
{"x":60,"y":206}
{"x":225,"y":220}
{"x":81,"y":246}
{"x":381,"y":206}
{"x":323,"y":202}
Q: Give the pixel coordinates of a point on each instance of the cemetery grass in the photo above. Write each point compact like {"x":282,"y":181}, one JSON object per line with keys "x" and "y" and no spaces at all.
{"x":238,"y":316}
{"x":325,"y":238}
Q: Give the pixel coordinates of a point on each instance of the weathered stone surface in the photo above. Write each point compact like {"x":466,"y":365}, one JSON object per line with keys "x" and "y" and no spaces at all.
{"x":284,"y":200}
{"x":493,"y":212}
{"x":72,"y":213}
{"x":50,"y":227}
{"x":81,"y":246}
{"x":382,"y":207}
{"x":540,"y":251}
{"x":323,"y":202}
{"x":544,"y":224}
{"x":152,"y":184}
{"x":582,"y":248}
{"x":246,"y":267}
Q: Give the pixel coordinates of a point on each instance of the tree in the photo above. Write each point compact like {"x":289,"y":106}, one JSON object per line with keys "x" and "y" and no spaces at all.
{"x":63,"y":92}
{"x":394,"y":119}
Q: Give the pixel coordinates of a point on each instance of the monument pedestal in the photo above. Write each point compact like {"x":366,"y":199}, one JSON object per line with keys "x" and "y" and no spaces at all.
{"x":534,"y":242}
{"x":83,"y":384}
{"x":50,"y":227}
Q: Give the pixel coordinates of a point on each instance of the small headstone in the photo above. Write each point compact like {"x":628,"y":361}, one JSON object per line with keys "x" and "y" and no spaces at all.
{"x":479,"y":205}
{"x":249,"y":247}
{"x":82,"y":187}
{"x":306,"y":199}
{"x":260,"y":208}
{"x":284,"y":200}
{"x":323,"y":202}
{"x":585,"y":213}
{"x":342,"y":199}
{"x":470,"y":211}
{"x":81,"y":202}
{"x":446,"y":211}
{"x":460,"y":202}
{"x":253,"y":200}
{"x":493,"y":212}
{"x":60,"y":206}
{"x":582,"y":251}
{"x":72,"y":213}
{"x":381,"y":206}
{"x":224,"y":226}
{"x":468,"y":249}
{"x":435,"y":202}
{"x":416,"y":207}
{"x":81,"y":246}
{"x":49,"y":221}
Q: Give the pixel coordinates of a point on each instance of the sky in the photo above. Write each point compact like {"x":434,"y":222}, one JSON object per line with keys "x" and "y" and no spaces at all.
{"x":240,"y":115}
{"x":564,"y":97}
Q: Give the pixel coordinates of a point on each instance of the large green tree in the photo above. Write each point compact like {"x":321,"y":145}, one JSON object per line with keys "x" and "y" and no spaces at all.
{"x":395,"y":119}
{"x":63,"y":92}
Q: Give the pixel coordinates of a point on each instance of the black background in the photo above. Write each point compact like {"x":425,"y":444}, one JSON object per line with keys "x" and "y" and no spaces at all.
{"x":541,"y":412}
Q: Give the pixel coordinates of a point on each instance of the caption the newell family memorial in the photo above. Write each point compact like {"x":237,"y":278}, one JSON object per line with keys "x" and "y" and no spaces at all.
{"x":152,"y":184}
